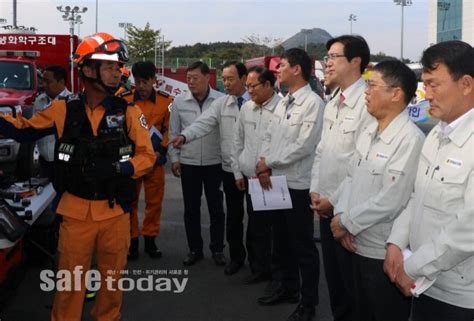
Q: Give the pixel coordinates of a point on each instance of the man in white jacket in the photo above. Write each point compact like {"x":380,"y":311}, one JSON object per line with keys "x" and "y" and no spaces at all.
{"x":251,"y":125}
{"x":288,"y":149}
{"x":377,"y":188}
{"x":345,"y":116}
{"x":438,"y":222}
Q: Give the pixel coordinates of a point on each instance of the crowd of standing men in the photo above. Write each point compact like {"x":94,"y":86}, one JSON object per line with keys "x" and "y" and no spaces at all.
{"x":395,"y":209}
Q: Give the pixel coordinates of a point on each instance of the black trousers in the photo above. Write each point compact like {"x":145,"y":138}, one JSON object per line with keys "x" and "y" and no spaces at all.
{"x":426,"y":308}
{"x":193,"y":178}
{"x":377,"y":299}
{"x":258,"y":237}
{"x":294,"y":246}
{"x":235,"y":218}
{"x":338,"y":271}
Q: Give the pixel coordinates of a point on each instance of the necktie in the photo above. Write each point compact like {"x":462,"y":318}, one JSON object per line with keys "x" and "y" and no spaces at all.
{"x":341,"y":100}
{"x":290,"y":100}
{"x":240,"y":101}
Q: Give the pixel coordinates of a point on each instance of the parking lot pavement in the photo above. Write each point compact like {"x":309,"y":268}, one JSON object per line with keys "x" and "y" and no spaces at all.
{"x":208,"y":294}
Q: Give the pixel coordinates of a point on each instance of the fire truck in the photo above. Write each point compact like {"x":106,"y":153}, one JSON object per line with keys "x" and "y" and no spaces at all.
{"x":22,"y":59}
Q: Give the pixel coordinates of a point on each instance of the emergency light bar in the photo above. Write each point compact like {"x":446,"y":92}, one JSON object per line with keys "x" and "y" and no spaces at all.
{"x":19,"y":53}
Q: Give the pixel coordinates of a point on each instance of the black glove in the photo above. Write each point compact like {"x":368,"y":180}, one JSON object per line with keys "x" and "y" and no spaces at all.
{"x":101,"y":170}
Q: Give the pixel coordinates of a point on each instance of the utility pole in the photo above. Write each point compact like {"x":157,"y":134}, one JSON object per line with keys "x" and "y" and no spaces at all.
{"x":306,"y":32}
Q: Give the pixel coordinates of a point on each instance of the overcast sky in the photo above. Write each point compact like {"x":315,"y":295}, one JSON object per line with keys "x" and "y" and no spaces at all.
{"x":191,"y":21}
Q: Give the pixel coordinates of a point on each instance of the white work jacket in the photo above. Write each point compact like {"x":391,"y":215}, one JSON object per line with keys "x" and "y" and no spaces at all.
{"x":223,"y":112}
{"x":292,"y":135}
{"x":248,"y":135}
{"x":438,"y":223}
{"x":379,"y":183}
{"x":341,"y":127}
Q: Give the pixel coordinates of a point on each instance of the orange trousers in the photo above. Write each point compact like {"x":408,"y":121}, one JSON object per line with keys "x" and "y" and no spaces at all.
{"x":154,"y":186}
{"x":78,"y":240}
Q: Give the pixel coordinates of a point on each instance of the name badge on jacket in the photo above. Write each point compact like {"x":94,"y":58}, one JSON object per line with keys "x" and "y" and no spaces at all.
{"x":115,"y":121}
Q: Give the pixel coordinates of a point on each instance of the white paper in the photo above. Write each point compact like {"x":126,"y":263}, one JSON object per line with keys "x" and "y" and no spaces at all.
{"x":277,"y":198}
{"x":421,"y":284}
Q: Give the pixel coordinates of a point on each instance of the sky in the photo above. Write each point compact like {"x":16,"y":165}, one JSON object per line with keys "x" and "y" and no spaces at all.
{"x":191,"y":21}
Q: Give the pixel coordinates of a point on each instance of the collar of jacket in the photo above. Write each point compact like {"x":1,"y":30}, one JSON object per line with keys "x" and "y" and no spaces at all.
{"x":301,"y":95}
{"x":462,"y":132}
{"x":270,"y":104}
{"x":189,"y":96}
{"x":354,"y":96}
{"x":392,"y":130}
{"x":152,"y":98}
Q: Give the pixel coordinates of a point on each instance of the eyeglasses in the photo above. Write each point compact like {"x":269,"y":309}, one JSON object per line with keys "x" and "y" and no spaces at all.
{"x":252,"y":87}
{"x":332,"y":57}
{"x":371,"y":85}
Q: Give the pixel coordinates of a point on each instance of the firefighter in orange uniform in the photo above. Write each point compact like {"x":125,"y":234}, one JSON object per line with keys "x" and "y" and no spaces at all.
{"x":103,"y":145}
{"x":154,"y":105}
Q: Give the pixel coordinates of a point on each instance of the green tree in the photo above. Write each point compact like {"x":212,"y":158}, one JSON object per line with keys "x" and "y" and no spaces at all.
{"x":141,"y":42}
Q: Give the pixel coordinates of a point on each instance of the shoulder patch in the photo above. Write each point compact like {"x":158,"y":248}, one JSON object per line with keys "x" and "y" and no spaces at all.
{"x":143,"y":122}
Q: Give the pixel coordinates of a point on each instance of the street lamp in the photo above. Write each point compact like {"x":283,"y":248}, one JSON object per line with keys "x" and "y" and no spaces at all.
{"x":79,"y":22}
{"x":402,"y":3}
{"x":72,"y":16}
{"x":352,"y":17}
{"x":306,"y":32}
{"x":125,"y":26}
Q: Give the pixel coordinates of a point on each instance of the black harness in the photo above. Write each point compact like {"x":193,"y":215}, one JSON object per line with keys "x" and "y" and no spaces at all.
{"x":78,"y":148}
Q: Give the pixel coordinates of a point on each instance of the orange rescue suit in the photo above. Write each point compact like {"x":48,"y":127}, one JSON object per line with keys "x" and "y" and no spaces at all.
{"x":90,"y":225}
{"x":156,"y":114}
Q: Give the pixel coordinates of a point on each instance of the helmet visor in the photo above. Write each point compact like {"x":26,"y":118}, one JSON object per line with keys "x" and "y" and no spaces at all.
{"x":114,"y":47}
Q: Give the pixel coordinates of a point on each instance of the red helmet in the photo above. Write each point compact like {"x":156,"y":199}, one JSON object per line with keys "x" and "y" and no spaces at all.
{"x":101,"y":46}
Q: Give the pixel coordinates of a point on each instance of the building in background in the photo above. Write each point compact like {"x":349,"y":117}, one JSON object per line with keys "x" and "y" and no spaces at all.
{"x":451,"y":20}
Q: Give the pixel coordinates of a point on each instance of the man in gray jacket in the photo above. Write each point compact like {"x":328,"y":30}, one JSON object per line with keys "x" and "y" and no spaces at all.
{"x":377,"y":188}
{"x":223,"y":114}
{"x":198,"y":163}
{"x":438,"y":222}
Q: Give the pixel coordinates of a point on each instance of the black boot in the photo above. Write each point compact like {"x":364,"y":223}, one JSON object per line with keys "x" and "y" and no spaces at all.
{"x":151,"y":249}
{"x":133,"y":249}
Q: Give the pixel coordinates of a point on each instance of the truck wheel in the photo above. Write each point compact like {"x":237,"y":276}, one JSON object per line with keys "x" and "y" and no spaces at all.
{"x":26,"y":167}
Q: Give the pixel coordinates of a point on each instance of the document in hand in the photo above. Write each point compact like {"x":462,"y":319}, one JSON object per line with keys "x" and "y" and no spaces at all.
{"x":277,"y":198}
{"x":156,"y":137}
{"x":421,"y":284}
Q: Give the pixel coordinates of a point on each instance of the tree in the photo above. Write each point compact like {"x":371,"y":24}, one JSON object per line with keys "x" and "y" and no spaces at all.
{"x":381,"y":56}
{"x":141,"y":42}
{"x":266,"y":44}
